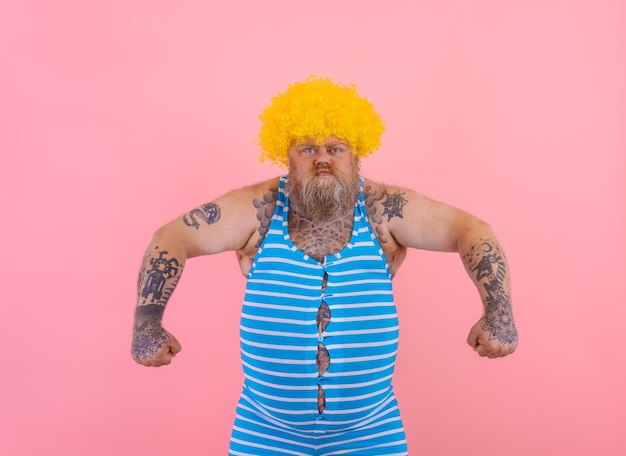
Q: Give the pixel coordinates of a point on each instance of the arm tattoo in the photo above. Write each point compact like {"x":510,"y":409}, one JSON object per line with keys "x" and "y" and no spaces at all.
{"x":392,"y":207}
{"x":487,"y":264}
{"x":148,"y":336}
{"x":158,"y":278}
{"x":208,"y":213}
{"x":265,"y":211}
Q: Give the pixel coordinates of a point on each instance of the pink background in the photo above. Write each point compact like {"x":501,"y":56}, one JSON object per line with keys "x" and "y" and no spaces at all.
{"x":118,"y":116}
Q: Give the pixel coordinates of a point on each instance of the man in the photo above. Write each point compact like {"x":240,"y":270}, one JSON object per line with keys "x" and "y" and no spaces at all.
{"x":319,"y":247}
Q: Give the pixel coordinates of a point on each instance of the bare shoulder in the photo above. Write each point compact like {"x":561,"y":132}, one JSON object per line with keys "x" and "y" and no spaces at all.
{"x":383,"y":204}
{"x":258,"y":200}
{"x":228,"y":222}
{"x":263,"y":198}
{"x":263,"y":190}
{"x":252,"y":204}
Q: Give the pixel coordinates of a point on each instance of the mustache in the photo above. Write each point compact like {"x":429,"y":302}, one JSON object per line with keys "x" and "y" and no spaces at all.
{"x":325,"y":167}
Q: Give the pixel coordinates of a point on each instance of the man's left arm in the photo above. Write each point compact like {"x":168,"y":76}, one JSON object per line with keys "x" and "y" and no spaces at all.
{"x":423,"y":223}
{"x":495,"y":334}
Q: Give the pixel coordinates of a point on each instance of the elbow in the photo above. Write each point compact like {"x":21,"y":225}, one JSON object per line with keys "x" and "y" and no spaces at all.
{"x":170,"y":239}
{"x":482,"y":228}
{"x":161,"y":234}
{"x":473,"y":230}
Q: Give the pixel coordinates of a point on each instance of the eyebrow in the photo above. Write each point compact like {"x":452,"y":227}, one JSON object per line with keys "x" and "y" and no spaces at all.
{"x":331,"y":144}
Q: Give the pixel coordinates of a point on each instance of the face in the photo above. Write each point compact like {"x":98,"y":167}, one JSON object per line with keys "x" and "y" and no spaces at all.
{"x":324,"y":178}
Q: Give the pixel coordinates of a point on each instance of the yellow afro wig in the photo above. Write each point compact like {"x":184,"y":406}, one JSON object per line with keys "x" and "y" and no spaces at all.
{"x":317,"y":108}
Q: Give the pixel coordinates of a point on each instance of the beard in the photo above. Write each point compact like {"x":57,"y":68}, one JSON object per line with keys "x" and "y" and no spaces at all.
{"x":324,"y":199}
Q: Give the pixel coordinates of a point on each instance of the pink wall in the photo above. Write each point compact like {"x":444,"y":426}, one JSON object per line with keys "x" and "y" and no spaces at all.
{"x":117,"y":116}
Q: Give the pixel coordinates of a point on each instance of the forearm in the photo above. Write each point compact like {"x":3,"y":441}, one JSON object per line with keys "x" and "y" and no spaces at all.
{"x":487,"y":266}
{"x":160,"y":271}
{"x":159,"y":274}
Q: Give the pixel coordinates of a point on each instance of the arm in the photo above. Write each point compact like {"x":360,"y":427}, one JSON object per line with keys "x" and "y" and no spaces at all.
{"x":418,"y":222}
{"x":160,"y":271}
{"x":495,"y":334}
{"x":227,"y":223}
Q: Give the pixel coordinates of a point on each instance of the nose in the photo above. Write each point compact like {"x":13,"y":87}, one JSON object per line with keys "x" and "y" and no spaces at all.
{"x":322,"y":156}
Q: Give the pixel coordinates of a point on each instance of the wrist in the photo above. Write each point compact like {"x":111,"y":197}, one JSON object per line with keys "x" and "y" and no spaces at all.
{"x":150,"y":313}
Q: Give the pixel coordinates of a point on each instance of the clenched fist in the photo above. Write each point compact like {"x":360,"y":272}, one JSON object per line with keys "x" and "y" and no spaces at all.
{"x":493,"y":340}
{"x":152,"y":345}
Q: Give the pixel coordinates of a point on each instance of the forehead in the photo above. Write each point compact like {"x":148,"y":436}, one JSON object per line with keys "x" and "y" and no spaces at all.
{"x":319,"y":141}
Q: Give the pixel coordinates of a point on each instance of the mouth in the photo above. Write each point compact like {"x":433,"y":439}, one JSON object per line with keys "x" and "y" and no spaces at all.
{"x":324,"y":173}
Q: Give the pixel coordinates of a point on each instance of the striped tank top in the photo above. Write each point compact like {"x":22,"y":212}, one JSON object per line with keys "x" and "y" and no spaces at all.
{"x":279,"y":333}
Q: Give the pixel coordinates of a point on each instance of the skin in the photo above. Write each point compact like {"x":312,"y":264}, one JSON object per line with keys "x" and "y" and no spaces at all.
{"x":400,"y":218}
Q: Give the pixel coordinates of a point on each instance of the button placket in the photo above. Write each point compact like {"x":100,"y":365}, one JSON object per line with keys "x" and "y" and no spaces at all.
{"x":322,"y":357}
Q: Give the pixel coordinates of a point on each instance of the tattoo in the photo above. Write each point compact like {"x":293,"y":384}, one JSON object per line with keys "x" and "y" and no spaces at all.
{"x":160,"y":278}
{"x":145,"y":262}
{"x":265,"y":211}
{"x":393,"y":205}
{"x":209,"y":213}
{"x":320,"y":240}
{"x":487,"y":261}
{"x":148,"y":335}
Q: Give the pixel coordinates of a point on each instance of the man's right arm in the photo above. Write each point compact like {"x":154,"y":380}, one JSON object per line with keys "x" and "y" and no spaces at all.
{"x":161,"y":268}
{"x":227,"y":223}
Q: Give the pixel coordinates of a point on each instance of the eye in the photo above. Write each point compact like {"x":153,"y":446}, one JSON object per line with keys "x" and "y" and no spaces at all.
{"x":338,"y":150}
{"x":306,"y":151}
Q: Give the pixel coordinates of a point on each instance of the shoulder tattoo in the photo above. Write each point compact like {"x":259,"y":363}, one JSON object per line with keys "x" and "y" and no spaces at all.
{"x":265,"y":210}
{"x":393,"y":204}
{"x":380,"y":204}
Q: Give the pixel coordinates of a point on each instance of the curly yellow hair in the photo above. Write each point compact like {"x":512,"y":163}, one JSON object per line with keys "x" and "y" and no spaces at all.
{"x":317,"y":107}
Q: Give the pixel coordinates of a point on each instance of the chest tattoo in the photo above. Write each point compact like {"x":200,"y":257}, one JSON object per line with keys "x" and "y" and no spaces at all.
{"x":320,"y":239}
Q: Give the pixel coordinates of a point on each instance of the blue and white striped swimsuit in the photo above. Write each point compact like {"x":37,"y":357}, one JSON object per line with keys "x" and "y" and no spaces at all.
{"x":277,"y":412}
